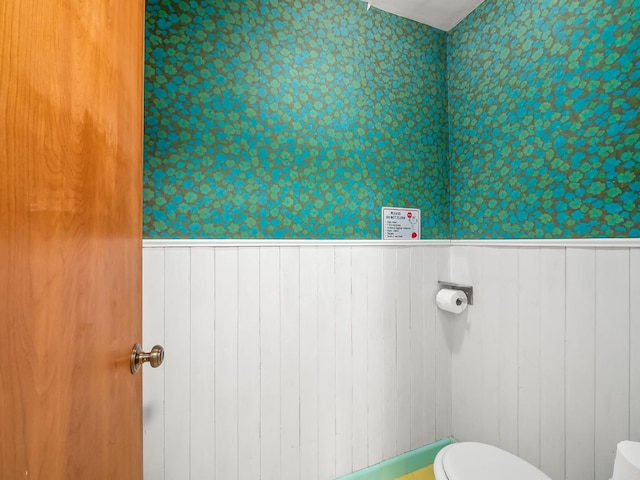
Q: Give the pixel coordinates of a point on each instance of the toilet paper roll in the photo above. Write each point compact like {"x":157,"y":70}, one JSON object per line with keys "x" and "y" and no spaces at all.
{"x":454,"y":301}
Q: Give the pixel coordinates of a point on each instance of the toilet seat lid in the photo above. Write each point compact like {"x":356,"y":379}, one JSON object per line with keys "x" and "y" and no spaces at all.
{"x":630,"y":451}
{"x":479,"y":461}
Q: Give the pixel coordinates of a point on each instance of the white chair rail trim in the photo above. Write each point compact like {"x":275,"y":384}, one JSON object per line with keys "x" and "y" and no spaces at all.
{"x":535,"y":243}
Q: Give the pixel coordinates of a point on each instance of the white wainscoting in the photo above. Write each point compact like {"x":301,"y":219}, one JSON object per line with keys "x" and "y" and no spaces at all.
{"x":312,"y":361}
{"x":546,"y":363}
{"x":294,"y":361}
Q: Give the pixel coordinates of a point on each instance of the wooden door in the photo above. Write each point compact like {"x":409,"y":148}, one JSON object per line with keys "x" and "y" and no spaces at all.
{"x":71,"y":80}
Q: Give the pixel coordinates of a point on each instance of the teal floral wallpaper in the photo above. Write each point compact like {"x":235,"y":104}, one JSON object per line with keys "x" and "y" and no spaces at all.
{"x":291,"y":119}
{"x":544,"y":102}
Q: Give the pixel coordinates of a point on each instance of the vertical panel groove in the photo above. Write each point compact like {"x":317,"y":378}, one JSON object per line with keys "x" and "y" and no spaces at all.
{"x":443,"y":347}
{"x":612,"y":361}
{"x":238,"y":359}
{"x":249,"y":362}
{"x":518,"y":369}
{"x":564,"y":466}
{"x":595,"y":309}
{"x":190,"y":378}
{"x":375,"y":360}
{"x":540,"y":374}
{"x":326,"y":376}
{"x":177,"y":385}
{"x":343,"y":371}
{"x":634,"y":338}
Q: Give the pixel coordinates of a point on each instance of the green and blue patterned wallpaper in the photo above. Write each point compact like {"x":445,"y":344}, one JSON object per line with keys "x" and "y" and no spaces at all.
{"x":285,"y":119}
{"x":544,"y":102}
{"x":291,"y":119}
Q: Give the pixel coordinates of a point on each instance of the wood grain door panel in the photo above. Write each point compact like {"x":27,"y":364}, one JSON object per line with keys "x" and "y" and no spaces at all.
{"x":71,"y":97}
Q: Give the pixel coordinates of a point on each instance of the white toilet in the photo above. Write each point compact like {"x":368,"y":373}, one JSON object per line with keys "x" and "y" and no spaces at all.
{"x":627,"y":464}
{"x":479,"y":461}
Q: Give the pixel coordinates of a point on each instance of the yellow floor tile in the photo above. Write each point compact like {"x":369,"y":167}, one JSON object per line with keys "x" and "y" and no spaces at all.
{"x":425,"y":473}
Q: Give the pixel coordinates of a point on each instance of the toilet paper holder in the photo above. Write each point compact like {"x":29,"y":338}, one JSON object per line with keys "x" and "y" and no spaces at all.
{"x":468,"y":290}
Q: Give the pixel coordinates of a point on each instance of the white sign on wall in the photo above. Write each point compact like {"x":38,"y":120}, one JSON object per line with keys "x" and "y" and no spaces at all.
{"x":400,"y":223}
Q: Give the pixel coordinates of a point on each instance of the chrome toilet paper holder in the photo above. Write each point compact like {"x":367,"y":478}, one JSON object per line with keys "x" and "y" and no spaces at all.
{"x":468,"y":290}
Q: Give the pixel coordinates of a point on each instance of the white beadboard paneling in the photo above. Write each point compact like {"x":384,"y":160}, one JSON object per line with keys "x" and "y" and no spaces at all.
{"x":375,"y":353}
{"x":489,"y":295}
{"x":403,"y":347}
{"x":463,"y":386}
{"x":290,"y":362}
{"x":177,"y":386}
{"x":508,"y":351}
{"x":634,"y":345}
{"x":306,"y":381}
{"x":552,"y":361}
{"x":443,"y":348}
{"x":321,"y":363}
{"x":153,"y":381}
{"x":248,"y":362}
{"x":344,"y":368}
{"x":558,"y":327}
{"x":226,"y":363}
{"x":473,"y":417}
{"x":418,"y":324}
{"x":359,"y":312}
{"x":203,"y":339}
{"x":424,"y":287}
{"x":326,"y":364}
{"x":580,"y":359}
{"x":529,"y":283}
{"x":458,"y":263}
{"x":389,"y":372}
{"x":612,"y":356}
{"x":270,"y":398}
{"x":309,"y":363}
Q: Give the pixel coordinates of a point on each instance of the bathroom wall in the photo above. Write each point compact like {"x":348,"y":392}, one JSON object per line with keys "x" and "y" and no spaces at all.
{"x":289,"y":361}
{"x":291,"y":119}
{"x":543,"y":101}
{"x":292,"y":360}
{"x":546,"y":363}
{"x":298,"y":353}
{"x":299,"y":120}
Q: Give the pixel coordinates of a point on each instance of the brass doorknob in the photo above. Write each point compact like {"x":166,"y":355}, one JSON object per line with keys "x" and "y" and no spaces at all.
{"x":138,"y":357}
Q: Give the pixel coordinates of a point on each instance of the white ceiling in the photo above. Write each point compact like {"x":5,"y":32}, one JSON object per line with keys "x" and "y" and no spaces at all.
{"x":442,"y":14}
